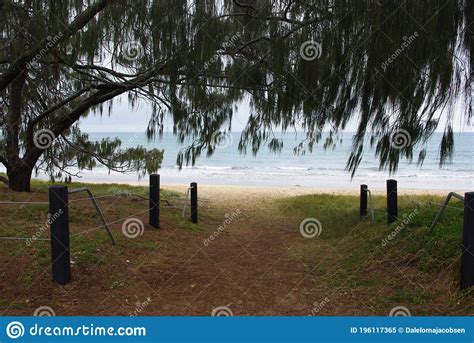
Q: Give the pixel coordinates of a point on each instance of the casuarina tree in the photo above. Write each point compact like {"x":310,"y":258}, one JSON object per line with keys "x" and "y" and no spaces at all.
{"x":397,"y":68}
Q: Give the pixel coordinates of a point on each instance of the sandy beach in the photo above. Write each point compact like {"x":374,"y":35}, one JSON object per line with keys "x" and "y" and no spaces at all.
{"x":255,"y":192}
{"x":221,"y":192}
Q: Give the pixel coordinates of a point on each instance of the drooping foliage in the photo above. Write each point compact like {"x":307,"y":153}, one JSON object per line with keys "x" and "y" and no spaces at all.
{"x":394,"y":67}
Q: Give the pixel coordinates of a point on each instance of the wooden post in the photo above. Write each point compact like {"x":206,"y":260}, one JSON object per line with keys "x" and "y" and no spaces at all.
{"x":467,"y":257}
{"x":59,"y":222}
{"x":392,"y":202}
{"x":363,"y":201}
{"x":194,"y":202}
{"x":154,"y":204}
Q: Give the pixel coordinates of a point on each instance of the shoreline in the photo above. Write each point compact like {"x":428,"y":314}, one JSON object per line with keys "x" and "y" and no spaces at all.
{"x":237,"y":191}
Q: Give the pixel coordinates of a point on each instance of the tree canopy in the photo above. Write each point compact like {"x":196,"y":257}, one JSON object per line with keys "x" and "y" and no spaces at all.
{"x":397,"y":67}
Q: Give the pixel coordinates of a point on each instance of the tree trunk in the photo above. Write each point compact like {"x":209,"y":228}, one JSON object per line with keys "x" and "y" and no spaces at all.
{"x":19,"y":179}
{"x":18,"y":172}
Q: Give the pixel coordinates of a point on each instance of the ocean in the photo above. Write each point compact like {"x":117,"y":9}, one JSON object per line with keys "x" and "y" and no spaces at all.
{"x":323,"y":169}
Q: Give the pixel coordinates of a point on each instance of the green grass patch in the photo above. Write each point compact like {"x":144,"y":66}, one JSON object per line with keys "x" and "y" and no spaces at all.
{"x":103,"y":189}
{"x":362,"y":254}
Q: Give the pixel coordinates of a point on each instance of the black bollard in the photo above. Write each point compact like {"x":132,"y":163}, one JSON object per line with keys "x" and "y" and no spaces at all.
{"x":59,"y":222}
{"x":392,"y":202}
{"x":467,"y":256}
{"x":363,"y":200}
{"x":154,"y":201}
{"x":194,"y":202}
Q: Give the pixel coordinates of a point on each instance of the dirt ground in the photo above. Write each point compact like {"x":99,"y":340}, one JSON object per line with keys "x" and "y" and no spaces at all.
{"x":245,"y":268}
{"x":252,"y":267}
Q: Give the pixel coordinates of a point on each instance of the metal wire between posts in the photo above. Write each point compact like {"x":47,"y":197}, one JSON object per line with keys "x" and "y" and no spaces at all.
{"x":96,"y":205}
{"x":94,"y":199}
{"x":88,"y":198}
{"x":443,"y":207}
{"x":113,"y":222}
{"x":13,"y":238}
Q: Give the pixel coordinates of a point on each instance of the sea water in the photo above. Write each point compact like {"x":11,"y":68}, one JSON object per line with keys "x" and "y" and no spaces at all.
{"x":322,"y":168}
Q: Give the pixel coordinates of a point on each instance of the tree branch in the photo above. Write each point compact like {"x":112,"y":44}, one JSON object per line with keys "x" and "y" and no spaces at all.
{"x":103,"y":94}
{"x":18,"y":66}
{"x":56,"y":107}
{"x":100,"y":159}
{"x":104,"y":69}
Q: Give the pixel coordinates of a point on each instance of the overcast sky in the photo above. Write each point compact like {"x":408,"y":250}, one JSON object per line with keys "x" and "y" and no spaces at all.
{"x":126,"y":119}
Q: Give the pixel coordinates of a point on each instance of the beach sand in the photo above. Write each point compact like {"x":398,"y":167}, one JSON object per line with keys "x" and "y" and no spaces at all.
{"x":219,"y":192}
{"x":256,"y":193}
